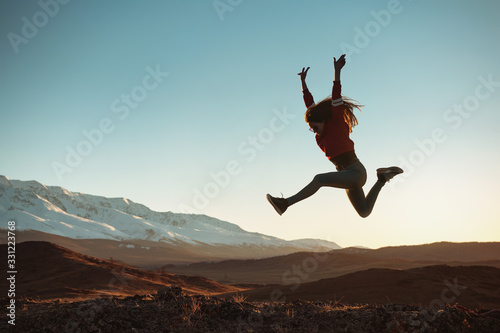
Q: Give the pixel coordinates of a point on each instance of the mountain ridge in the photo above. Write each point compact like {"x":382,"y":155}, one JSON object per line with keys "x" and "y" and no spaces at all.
{"x":55,"y":210}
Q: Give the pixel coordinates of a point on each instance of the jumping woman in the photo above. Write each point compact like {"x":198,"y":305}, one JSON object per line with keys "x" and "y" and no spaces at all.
{"x":332,"y":120}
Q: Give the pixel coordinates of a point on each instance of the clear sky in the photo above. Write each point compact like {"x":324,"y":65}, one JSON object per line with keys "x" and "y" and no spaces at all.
{"x":196,"y":106}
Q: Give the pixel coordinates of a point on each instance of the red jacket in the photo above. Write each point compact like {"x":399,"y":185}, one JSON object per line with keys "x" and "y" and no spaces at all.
{"x":335,"y":137}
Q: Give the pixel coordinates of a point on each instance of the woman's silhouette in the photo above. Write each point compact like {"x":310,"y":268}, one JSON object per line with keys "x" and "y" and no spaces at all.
{"x":332,"y":120}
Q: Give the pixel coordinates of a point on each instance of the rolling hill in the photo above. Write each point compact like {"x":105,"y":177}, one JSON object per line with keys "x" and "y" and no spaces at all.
{"x":321,"y":265}
{"x":49,"y":271}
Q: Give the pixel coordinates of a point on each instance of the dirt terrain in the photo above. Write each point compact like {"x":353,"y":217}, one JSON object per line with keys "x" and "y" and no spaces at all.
{"x":171,"y":310}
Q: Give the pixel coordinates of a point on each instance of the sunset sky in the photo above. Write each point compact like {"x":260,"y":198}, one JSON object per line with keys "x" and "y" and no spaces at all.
{"x":196,"y":106}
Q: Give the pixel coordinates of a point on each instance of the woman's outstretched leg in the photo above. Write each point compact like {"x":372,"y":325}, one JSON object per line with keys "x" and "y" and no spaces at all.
{"x":353,"y":177}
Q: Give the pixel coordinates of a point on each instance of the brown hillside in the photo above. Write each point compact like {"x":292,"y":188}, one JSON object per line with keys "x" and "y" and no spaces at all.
{"x":50,"y":271}
{"x":471,"y":286}
{"x":316,"y":266}
{"x":441,"y":251}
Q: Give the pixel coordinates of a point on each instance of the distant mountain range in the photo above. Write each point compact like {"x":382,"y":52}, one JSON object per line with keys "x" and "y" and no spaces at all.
{"x":315,"y":266}
{"x":57,"y":211}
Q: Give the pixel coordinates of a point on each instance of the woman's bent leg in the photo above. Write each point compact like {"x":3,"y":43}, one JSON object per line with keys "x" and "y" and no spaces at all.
{"x":364,"y":205}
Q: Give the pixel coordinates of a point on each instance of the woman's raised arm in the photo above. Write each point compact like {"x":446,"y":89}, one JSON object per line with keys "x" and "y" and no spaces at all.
{"x":338,"y":65}
{"x":306,"y":94}
{"x":336,"y":89}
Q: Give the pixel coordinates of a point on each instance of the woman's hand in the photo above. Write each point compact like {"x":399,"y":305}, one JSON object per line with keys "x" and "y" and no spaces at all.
{"x":338,"y":64}
{"x":303,"y":73}
{"x":303,"y":77}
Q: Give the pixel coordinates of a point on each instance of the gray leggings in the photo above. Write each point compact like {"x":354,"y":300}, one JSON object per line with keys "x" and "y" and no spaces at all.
{"x":352,"y":180}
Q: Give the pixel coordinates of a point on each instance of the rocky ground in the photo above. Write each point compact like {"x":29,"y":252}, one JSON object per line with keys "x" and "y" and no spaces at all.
{"x":171,"y":310}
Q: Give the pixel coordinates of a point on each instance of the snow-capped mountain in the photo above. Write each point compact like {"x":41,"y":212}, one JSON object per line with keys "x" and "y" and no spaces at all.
{"x":55,"y":210}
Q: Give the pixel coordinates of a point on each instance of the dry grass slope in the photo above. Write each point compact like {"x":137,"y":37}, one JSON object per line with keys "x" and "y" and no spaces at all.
{"x":171,"y":310}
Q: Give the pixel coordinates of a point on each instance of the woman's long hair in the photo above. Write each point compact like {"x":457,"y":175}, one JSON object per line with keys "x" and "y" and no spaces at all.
{"x":322,"y":111}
